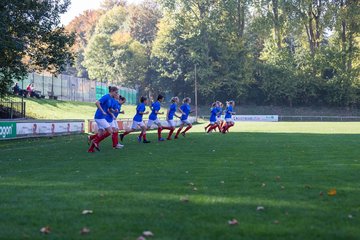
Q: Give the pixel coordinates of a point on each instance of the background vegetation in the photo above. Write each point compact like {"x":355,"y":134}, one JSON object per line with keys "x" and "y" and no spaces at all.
{"x":267,"y":52}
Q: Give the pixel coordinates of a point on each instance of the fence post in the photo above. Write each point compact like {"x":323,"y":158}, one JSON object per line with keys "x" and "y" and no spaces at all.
{"x":61,"y":81}
{"x":82,"y":89}
{"x":69,"y":98}
{"x":43,"y":83}
{"x":11,"y":110}
{"x":23,"y":105}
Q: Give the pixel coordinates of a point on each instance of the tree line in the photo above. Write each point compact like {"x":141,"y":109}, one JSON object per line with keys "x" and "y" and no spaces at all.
{"x":265,"y":52}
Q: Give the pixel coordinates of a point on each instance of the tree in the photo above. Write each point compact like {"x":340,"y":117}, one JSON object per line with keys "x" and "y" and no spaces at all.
{"x":143,"y":21}
{"x":83,"y":26}
{"x":35,"y":42}
{"x":109,"y":4}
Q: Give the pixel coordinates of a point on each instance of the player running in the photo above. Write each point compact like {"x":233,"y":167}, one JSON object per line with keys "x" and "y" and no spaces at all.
{"x":104,"y":128}
{"x":153,"y":118}
{"x":170,"y":116}
{"x":219,"y":121}
{"x":114,"y":112}
{"x":185,"y":110}
{"x":138,"y":121}
{"x":213,"y":115}
{"x":228,"y":116}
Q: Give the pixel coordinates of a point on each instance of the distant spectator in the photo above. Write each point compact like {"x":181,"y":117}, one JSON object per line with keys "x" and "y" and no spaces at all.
{"x":16,"y":89}
{"x":30,"y":89}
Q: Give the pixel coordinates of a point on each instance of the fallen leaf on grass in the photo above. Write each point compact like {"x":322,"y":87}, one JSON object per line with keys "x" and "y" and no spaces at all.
{"x":184,"y":199}
{"x":233,"y":222}
{"x":45,"y":230}
{"x":84,"y":231}
{"x":85,"y":212}
{"x":332,"y":192}
{"x":148,"y":234}
{"x":260,"y":208}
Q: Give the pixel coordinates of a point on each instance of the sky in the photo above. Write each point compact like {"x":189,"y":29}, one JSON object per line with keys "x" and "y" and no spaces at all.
{"x":78,"y":6}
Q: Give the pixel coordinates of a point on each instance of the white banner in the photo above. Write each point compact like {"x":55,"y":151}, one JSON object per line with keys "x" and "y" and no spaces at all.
{"x":48,"y":128}
{"x":255,"y":118}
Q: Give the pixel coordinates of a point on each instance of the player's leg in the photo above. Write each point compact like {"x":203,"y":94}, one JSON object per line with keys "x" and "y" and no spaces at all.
{"x":103,"y":124}
{"x":160,"y":128}
{"x":172,"y":128}
{"x":218,"y":124}
{"x":209,"y":125}
{"x":179,"y":130}
{"x":143,"y":132}
{"x":115,"y":136}
{"x":213,"y":126}
{"x":189,"y":126}
{"x":133,"y":128}
{"x":101,"y":129}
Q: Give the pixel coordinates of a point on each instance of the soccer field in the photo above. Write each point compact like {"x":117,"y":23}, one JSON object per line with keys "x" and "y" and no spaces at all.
{"x":187,"y":188}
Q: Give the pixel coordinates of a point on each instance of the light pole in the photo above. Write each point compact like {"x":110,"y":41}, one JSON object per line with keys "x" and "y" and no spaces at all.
{"x":196,"y":97}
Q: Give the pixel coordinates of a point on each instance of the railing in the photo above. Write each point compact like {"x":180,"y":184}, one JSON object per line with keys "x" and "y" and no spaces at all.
{"x":10,"y":110}
{"x":310,"y":118}
{"x":320,"y":118}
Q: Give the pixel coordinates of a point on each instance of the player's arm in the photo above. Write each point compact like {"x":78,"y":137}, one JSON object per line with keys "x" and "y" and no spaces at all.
{"x":110,"y":111}
{"x":181,"y":111}
{"x":158,"y":112}
{"x":144,"y":113}
{"x":98,"y":105}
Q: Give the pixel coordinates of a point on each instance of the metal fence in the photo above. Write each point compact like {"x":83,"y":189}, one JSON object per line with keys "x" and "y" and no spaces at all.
{"x":10,"y":110}
{"x":70,"y":88}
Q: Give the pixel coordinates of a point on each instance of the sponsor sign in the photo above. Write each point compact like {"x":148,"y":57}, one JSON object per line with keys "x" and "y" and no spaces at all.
{"x":7,"y":130}
{"x":256,"y":118}
{"x":48,"y":128}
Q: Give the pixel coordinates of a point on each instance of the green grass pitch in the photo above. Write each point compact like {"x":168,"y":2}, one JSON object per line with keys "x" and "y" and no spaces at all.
{"x":282,"y":167}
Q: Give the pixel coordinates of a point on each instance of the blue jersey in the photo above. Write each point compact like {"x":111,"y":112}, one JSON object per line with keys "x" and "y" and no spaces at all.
{"x":109,"y":117}
{"x":105,"y":103}
{"x":228,"y":112}
{"x":155,"y":107}
{"x":172,"y":111}
{"x":219,"y":111}
{"x":116,"y":107}
{"x":214,"y":112}
{"x":186,"y":109}
{"x":140,"y":108}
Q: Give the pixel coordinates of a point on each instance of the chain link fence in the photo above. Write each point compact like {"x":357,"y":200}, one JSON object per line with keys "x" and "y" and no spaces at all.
{"x":70,"y":88}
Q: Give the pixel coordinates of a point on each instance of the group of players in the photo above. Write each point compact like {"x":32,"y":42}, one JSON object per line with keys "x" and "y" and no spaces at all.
{"x":109,"y":107}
